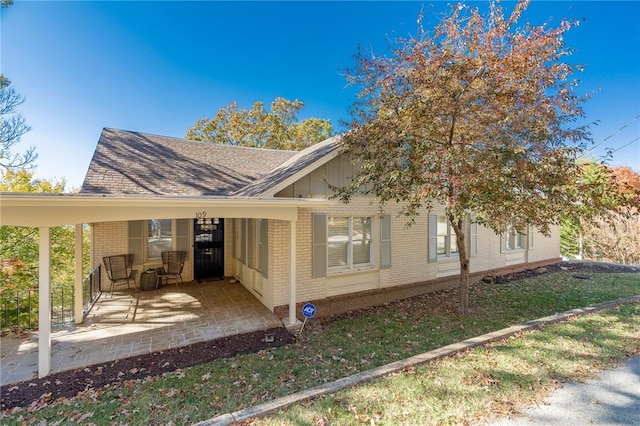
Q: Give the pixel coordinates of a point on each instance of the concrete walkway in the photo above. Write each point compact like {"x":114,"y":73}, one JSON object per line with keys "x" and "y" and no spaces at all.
{"x":137,"y":323}
{"x":262,"y":410}
{"x":612,"y":399}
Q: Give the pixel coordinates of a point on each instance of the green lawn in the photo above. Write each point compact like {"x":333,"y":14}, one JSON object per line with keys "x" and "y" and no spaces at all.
{"x":356,"y":342}
{"x":485,"y":383}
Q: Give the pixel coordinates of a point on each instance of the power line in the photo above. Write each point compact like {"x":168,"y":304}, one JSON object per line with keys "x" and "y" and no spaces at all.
{"x":624,"y":146}
{"x":615,"y":133}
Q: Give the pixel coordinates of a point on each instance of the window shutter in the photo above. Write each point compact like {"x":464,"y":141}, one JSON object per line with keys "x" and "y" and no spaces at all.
{"x":473,"y":237}
{"x":530,"y":237}
{"x":243,"y":240}
{"x":433,"y":238}
{"x":182,"y":235}
{"x":319,"y":249}
{"x":234,"y":235}
{"x":136,"y":243}
{"x":250,"y":239}
{"x":385,"y":242}
{"x":263,"y":248}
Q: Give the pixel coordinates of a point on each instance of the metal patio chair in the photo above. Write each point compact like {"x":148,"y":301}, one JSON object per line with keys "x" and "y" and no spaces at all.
{"x":172,"y":265}
{"x":120,"y":269}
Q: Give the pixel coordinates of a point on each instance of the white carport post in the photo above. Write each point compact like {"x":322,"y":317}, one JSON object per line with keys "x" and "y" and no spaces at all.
{"x":292,"y":273}
{"x":77,"y":293}
{"x":44,"y":303}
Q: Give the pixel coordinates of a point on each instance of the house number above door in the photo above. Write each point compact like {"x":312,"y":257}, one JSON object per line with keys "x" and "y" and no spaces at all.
{"x":201,"y":215}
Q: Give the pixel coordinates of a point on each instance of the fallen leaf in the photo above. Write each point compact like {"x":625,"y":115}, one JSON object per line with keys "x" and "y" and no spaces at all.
{"x":85,"y":417}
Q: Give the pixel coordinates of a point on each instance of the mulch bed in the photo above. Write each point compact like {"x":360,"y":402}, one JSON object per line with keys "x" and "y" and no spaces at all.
{"x":70,"y":383}
{"x":578,"y":268}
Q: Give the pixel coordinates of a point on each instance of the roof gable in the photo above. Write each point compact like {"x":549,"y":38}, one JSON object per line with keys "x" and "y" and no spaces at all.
{"x":127,"y":162}
{"x":303,"y":163}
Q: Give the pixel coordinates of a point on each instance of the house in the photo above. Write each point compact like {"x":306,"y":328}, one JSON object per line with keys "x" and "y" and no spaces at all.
{"x":263,"y":217}
{"x":343,"y":256}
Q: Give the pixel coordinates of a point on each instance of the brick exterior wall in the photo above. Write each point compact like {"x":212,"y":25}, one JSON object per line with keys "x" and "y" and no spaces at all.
{"x":409,"y":266}
{"x":110,"y":238}
{"x":410,"y":271}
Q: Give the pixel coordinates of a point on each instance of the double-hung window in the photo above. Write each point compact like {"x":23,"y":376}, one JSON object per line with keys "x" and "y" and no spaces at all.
{"x":348,"y":242}
{"x":445,"y":238}
{"x":159,"y":237}
{"x":443,"y":244}
{"x":149,"y":238}
{"x":513,"y":240}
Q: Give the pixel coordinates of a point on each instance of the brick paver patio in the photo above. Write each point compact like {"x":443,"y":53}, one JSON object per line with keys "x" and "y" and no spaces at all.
{"x":135,"y":323}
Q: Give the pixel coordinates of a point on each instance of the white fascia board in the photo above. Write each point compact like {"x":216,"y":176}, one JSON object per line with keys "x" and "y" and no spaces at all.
{"x":45,"y":210}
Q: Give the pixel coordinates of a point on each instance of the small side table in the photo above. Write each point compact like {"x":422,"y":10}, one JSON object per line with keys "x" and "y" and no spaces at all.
{"x":148,"y":280}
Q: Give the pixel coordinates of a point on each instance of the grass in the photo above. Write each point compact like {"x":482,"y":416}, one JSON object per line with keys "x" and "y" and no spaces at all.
{"x":485,"y":383}
{"x":359,"y":341}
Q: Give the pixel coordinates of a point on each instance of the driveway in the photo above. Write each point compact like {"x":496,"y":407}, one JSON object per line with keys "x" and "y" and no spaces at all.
{"x":612,"y":399}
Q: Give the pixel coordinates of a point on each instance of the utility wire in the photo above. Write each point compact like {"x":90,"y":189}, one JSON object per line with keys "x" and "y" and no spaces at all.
{"x":615,"y":133}
{"x":624,"y":146}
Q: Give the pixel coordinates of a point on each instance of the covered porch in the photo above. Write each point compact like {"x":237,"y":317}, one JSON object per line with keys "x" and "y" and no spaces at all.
{"x":45,"y":211}
{"x":137,"y":323}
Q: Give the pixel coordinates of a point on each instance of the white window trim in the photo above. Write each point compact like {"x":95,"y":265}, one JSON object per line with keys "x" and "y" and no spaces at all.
{"x":451,"y":236}
{"x":335,"y":270}
{"x":145,"y":239}
{"x":522,"y":236}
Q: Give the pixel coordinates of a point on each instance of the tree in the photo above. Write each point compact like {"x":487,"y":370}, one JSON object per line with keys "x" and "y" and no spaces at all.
{"x":627,"y":182}
{"x":21,"y":243}
{"x":604,"y":225}
{"x":12,"y":127}
{"x":278,"y":129}
{"x":478,"y":116}
{"x":595,"y":192}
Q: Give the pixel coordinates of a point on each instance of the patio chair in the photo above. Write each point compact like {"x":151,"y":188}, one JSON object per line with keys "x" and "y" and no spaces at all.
{"x":119,"y":270}
{"x":172,"y":265}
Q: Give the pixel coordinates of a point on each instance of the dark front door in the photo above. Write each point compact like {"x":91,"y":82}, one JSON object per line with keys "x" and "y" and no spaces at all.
{"x":208,"y":248}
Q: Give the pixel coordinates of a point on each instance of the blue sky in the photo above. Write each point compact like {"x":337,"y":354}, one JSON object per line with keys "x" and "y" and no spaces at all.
{"x":157,"y":67}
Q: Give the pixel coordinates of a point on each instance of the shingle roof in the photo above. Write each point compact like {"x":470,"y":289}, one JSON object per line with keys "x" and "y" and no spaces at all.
{"x":127,"y":162}
{"x":289,"y":168}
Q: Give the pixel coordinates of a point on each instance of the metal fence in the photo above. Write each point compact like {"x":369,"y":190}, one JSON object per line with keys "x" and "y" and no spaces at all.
{"x":91,"y":290}
{"x":19,"y":309}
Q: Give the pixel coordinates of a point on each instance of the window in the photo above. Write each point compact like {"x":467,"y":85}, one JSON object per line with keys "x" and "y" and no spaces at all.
{"x":445,"y":238}
{"x":149,"y":238}
{"x":348,"y":242}
{"x":442,"y":238}
{"x":159,"y":237}
{"x":513,"y":240}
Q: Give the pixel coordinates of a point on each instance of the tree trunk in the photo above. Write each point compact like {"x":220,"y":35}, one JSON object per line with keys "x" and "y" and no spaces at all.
{"x":463,"y":306}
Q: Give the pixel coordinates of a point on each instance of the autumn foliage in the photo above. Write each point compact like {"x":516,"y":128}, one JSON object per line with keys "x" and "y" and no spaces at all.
{"x":478,"y":115}
{"x":605,"y":226}
{"x":278,"y":128}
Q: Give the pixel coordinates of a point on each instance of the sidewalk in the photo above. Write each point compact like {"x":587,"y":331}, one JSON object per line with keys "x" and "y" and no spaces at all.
{"x":612,"y":399}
